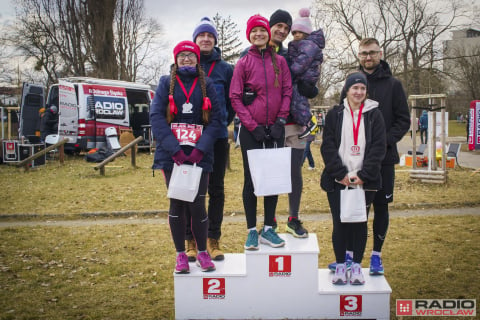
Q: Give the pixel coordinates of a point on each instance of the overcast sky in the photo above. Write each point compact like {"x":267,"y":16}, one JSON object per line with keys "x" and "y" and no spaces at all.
{"x":179,"y":17}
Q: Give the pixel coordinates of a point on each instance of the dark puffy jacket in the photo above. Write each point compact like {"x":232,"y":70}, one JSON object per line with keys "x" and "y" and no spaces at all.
{"x":221,"y":74}
{"x":256,"y":71}
{"x":305,"y":57}
{"x":389,"y":93}
{"x":374,"y":149}
{"x":167,"y":145}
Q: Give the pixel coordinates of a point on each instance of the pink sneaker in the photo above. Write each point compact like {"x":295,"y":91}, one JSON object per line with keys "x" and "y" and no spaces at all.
{"x":205,"y":262}
{"x":182,"y":264}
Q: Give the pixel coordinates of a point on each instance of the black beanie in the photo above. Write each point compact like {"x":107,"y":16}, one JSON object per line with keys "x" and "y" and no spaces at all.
{"x":281,"y":16}
{"x":354,"y":78}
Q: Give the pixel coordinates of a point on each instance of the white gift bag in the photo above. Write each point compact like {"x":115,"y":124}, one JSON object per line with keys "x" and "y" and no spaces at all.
{"x":270,"y":170}
{"x":353,"y":207}
{"x":184,"y":182}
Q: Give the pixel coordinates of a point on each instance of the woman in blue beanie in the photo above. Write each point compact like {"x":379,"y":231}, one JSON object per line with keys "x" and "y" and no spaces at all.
{"x":353,"y":147}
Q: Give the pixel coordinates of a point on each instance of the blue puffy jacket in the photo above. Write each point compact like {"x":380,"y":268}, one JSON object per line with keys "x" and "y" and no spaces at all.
{"x":221,"y":74}
{"x":167,"y":145}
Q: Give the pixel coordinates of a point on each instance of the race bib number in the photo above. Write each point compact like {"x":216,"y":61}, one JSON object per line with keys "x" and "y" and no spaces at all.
{"x":187,"y":134}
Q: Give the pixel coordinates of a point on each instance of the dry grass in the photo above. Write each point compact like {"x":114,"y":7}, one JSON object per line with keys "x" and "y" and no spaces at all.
{"x":75,"y":188}
{"x":125,"y":271}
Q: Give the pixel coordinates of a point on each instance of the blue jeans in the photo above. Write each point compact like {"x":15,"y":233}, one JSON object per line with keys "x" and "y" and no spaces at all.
{"x":307,"y":153}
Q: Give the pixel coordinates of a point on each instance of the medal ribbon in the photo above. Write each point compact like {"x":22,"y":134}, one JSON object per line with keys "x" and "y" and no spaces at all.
{"x":356,"y":128}
{"x":183,"y":87}
{"x":211,"y":69}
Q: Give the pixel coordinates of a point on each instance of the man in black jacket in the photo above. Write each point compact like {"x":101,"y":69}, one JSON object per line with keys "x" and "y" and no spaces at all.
{"x":389,"y":93}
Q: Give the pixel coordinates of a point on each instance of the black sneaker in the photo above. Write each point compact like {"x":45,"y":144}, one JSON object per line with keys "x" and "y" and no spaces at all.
{"x":310,"y":128}
{"x":295,"y":227}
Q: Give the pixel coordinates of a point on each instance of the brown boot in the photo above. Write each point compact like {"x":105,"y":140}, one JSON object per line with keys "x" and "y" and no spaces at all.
{"x":191,"y":250}
{"x":213,"y":248}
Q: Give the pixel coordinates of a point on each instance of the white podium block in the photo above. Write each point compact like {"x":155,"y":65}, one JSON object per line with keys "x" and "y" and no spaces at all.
{"x":277,"y":283}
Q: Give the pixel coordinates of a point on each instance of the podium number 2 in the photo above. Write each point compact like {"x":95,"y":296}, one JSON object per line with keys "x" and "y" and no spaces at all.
{"x":213,"y":286}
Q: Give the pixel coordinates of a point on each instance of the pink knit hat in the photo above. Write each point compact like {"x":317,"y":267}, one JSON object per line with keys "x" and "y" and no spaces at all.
{"x":257,"y":21}
{"x":303,"y":23}
{"x":186,"y":46}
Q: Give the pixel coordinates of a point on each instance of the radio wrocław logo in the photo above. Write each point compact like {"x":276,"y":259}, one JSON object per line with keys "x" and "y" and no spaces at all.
{"x":437,"y":307}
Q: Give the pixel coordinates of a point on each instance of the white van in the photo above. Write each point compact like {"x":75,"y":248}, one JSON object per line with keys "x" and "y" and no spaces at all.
{"x":87,"y":106}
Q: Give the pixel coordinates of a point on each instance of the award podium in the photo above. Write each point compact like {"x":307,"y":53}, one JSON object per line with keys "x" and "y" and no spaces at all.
{"x":277,"y":283}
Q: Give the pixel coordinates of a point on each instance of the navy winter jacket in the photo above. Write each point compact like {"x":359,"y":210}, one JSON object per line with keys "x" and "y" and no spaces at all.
{"x":167,"y":145}
{"x":221,"y":74}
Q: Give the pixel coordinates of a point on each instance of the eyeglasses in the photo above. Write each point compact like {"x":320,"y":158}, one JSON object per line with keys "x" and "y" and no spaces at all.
{"x":372,"y":54}
{"x":183,"y":56}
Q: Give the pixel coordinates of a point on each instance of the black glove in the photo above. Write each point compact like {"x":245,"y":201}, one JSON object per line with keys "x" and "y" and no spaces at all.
{"x":259,"y":133}
{"x":277,"y":129}
{"x":307,"y":89}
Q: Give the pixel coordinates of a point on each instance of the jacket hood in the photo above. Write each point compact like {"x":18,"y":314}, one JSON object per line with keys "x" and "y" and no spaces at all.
{"x":318,"y":38}
{"x":367,"y":105}
{"x":382,"y":71}
{"x":216,"y":55}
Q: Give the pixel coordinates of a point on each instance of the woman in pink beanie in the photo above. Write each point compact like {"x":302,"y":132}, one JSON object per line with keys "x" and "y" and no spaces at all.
{"x":186,"y":118}
{"x":305,"y":55}
{"x":260,"y":92}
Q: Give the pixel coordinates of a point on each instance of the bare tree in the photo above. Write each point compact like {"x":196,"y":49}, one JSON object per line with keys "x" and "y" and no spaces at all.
{"x":466,"y":71}
{"x":107,"y":39}
{"x":410,"y":32}
{"x":99,"y":25}
{"x":137,"y":40}
{"x":228,"y":40}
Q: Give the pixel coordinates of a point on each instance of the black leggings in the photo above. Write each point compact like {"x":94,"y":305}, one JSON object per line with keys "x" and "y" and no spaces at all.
{"x":295,"y":196}
{"x":216,"y":191}
{"x":343,"y":232}
{"x":248,"y":142}
{"x":180,"y":211}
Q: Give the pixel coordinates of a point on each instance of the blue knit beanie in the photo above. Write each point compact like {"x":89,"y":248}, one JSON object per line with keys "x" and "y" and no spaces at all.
{"x":205,"y":25}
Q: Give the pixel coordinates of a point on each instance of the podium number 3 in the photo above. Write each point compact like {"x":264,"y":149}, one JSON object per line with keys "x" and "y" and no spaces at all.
{"x":351,"y":303}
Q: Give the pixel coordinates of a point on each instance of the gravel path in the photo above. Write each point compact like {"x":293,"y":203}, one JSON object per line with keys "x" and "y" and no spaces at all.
{"x":161,"y":218}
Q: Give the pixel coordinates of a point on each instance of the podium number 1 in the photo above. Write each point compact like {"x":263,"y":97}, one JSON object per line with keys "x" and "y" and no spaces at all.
{"x":280,"y":265}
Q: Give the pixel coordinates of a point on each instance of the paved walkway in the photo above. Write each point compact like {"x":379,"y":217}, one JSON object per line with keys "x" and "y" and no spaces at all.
{"x":466,"y":159}
{"x":162,"y":218}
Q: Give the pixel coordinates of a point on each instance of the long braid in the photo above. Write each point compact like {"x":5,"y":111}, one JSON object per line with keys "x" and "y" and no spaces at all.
{"x":203,"y":85}
{"x":170,"y":92}
{"x":275,"y":67}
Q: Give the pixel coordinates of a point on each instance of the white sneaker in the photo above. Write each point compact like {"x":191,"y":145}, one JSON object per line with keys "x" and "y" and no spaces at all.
{"x":356,"y":276}
{"x":340,"y":276}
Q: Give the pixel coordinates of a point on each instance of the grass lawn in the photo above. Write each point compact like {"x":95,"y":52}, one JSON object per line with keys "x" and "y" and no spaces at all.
{"x":124,"y":271}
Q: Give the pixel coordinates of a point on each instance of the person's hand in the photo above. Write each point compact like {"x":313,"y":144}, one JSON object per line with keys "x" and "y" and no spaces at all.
{"x":259,"y":133}
{"x":196,"y":156}
{"x":356,"y":180}
{"x":276,"y":130}
{"x":179,"y":157}
{"x":345,"y":181}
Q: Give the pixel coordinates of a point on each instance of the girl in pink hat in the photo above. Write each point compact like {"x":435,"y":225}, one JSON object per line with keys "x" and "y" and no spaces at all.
{"x":260,"y":92}
{"x":186,"y":119}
